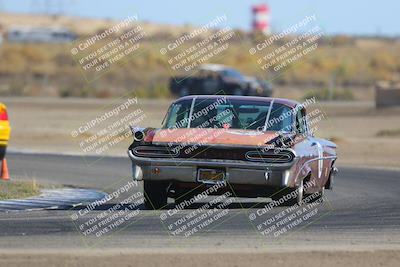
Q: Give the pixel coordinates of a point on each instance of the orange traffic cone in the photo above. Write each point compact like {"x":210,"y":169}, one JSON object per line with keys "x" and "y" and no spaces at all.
{"x":4,"y":170}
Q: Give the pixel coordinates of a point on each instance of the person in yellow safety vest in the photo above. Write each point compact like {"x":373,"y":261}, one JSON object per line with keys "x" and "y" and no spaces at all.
{"x":5,"y":130}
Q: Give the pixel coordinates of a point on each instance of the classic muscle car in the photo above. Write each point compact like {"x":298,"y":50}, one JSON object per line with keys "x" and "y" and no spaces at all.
{"x":250,"y":146}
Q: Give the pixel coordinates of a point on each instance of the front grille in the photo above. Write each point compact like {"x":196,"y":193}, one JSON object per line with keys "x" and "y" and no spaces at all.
{"x":153,"y":152}
{"x":211,"y":152}
{"x":214,"y":152}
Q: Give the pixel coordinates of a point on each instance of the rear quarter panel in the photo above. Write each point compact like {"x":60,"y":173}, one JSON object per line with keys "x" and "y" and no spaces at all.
{"x":309,"y":162}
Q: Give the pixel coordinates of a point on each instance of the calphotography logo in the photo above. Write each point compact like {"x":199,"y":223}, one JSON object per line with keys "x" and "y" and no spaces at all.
{"x":279,"y":51}
{"x":110,"y":128}
{"x":272,"y":222}
{"x":110,"y":213}
{"x":205,"y":215}
{"x":200,"y":46}
{"x":97,"y":54}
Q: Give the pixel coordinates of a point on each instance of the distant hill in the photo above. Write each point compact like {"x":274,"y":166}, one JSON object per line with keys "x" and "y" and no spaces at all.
{"x":49,"y":69}
{"x":80,"y":25}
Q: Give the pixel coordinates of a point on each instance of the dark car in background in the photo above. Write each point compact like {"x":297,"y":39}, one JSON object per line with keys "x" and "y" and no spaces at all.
{"x":218,"y":79}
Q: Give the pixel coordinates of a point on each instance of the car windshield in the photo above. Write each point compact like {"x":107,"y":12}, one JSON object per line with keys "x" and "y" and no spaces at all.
{"x":233,"y":74}
{"x":229,"y":113}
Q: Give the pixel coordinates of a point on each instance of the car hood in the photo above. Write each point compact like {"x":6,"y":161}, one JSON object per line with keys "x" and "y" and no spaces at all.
{"x":212,"y":136}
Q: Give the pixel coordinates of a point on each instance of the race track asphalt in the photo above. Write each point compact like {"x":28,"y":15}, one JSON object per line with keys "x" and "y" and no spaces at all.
{"x":363,"y":209}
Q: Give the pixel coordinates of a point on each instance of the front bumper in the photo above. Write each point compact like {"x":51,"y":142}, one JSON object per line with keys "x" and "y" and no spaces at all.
{"x":185,"y":170}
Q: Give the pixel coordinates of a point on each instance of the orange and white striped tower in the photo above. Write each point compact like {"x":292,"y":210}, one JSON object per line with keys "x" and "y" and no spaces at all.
{"x":261,"y":18}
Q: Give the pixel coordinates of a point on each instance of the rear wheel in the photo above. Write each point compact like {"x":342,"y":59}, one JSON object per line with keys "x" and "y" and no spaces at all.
{"x":155,"y":194}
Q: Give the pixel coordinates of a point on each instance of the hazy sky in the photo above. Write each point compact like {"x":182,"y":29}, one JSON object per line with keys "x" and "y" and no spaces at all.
{"x":359,"y":17}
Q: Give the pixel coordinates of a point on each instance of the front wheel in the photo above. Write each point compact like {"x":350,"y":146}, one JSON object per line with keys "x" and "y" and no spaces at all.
{"x":155,"y":194}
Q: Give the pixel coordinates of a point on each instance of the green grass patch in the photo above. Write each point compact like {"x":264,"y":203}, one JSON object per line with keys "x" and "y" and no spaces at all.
{"x":18,"y":189}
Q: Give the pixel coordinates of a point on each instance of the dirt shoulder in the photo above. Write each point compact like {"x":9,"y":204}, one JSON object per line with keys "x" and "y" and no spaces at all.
{"x":365,"y":258}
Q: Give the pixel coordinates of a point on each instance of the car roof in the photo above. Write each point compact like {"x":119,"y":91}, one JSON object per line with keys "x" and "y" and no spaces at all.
{"x":283,"y":101}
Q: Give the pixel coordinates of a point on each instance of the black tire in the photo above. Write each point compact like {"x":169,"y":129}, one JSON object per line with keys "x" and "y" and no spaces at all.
{"x":155,"y":194}
{"x":332,"y":174}
{"x":2,"y":152}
